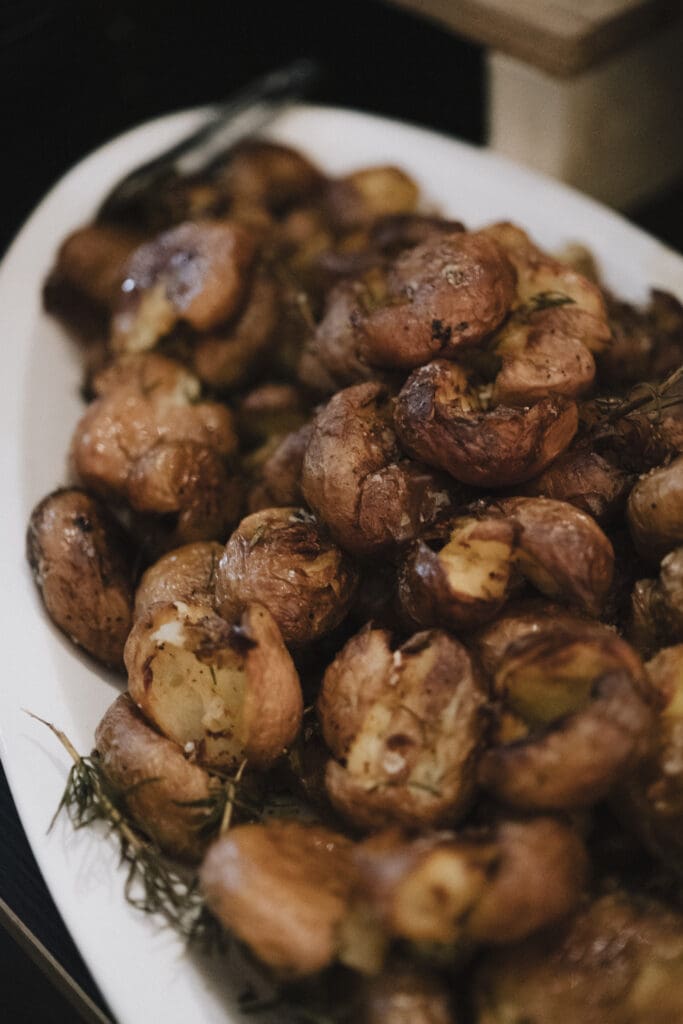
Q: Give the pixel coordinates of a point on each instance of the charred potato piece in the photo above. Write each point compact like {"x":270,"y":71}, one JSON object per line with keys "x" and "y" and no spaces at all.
{"x":283,"y":559}
{"x":196,"y":272}
{"x":655,"y":511}
{"x":222,"y":692}
{"x":268,"y":174}
{"x":406,"y":729}
{"x":189,"y":482}
{"x":82,"y":562}
{"x":278,"y":480}
{"x":355,"y":478}
{"x":561,"y":551}
{"x":620,"y":959}
{"x":588,"y":709}
{"x":185,"y":574}
{"x":494,"y":885}
{"x":596,"y":485}
{"x":364,"y":196}
{"x":225,"y":357}
{"x":466,"y":582}
{"x":148,"y":401}
{"x":167,"y":796}
{"x":439,"y":420}
{"x":283,"y":889}
{"x":405,"y":994}
{"x":657,"y":606}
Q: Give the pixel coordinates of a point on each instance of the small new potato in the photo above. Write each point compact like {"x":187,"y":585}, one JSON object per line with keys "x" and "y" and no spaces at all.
{"x":284,"y":559}
{"x":223,"y":692}
{"x":82,"y":562}
{"x":441,"y":420}
{"x":364,"y":196}
{"x":187,"y":573}
{"x":155,"y":782}
{"x":405,"y":727}
{"x":655,"y":511}
{"x":261,"y":173}
{"x":657,"y":606}
{"x":283,"y":889}
{"x":278,"y":478}
{"x":595,"y":485}
{"x":357,"y":481}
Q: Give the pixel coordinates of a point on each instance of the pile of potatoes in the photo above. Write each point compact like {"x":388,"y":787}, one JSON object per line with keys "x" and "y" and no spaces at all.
{"x":351,"y":508}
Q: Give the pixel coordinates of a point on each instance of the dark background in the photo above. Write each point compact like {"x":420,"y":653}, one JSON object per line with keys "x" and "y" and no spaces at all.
{"x":74,"y":73}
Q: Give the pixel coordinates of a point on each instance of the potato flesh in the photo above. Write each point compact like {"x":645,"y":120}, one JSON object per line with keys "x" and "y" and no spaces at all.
{"x":479,"y":570}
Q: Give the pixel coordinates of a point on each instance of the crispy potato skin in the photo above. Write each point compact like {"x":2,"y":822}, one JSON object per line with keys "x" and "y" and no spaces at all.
{"x":279,"y":478}
{"x":519,"y":620}
{"x":82,"y":563}
{"x":282,"y":558}
{"x":187,"y":573}
{"x":364,"y":196}
{"x":562,"y":551}
{"x":657,"y":606}
{"x":585,"y":479}
{"x":466,"y":583}
{"x":436,"y":422}
{"x":406,"y":728}
{"x":229,"y":692}
{"x":196,"y":272}
{"x":154,"y":780}
{"x":619,"y":960}
{"x":355,"y":479}
{"x":491,"y":886}
{"x":268,"y":174}
{"x":655,"y":511}
{"x":282,"y":888}
{"x":92,"y":260}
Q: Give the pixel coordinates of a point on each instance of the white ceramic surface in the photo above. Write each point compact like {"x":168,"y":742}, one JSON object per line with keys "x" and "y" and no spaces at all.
{"x":143,"y":970}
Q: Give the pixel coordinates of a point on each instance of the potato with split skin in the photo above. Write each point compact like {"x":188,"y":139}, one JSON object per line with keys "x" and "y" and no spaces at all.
{"x":356,"y":479}
{"x":155,"y":782}
{"x":187,"y":573}
{"x":282,"y":888}
{"x":278,"y":479}
{"x":618,"y":960}
{"x":196,"y":272}
{"x":284,"y":559}
{"x":83,"y":564}
{"x":655,"y":511}
{"x":492,"y":885}
{"x":561,"y":551}
{"x":587,"y":711}
{"x":359,"y":198}
{"x":145,"y":401}
{"x":518,"y":620}
{"x":228,"y":355}
{"x":463,"y":583}
{"x":224,"y":692}
{"x":407,"y":994}
{"x":597,"y":485}
{"x":657,"y":606}
{"x":440,"y":419}
{"x":405,"y":728}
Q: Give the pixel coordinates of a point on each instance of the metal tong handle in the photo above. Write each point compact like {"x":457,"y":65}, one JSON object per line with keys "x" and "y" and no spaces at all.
{"x":238,"y":117}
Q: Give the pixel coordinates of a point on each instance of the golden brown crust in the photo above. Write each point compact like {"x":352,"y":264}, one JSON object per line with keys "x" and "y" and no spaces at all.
{"x":278,"y":480}
{"x":187,"y":573}
{"x":438,"y":422}
{"x":284,"y":559}
{"x":283,"y":889}
{"x":585,"y":479}
{"x":155,"y":781}
{"x":364,"y":196}
{"x":82,"y":563}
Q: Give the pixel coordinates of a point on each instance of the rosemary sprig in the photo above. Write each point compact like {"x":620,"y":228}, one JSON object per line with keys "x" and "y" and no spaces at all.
{"x":653,"y":398}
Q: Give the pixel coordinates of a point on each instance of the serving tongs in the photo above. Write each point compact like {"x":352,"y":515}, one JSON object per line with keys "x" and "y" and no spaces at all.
{"x":242,"y":115}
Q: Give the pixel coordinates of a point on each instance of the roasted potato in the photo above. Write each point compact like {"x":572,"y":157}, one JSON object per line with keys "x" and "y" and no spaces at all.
{"x":494,"y":885}
{"x":223,"y":692}
{"x":365,"y":196}
{"x":196,"y":272}
{"x":406,"y":994}
{"x":283,"y":889}
{"x":83,"y":564}
{"x":277,"y":480}
{"x":284,"y":559}
{"x":466,"y":582}
{"x":588,"y":710}
{"x":439,"y":419}
{"x":268,"y":174}
{"x":517,"y":621}
{"x":167,"y":796}
{"x":657,"y":606}
{"x":655,"y":511}
{"x":406,"y":728}
{"x":619,"y":960}
{"x":185,"y":574}
{"x":355,"y":478}
{"x":270,"y":410}
{"x":584,"y":478}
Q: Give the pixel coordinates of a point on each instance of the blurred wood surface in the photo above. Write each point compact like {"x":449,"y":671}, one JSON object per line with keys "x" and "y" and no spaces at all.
{"x":562,"y":37}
